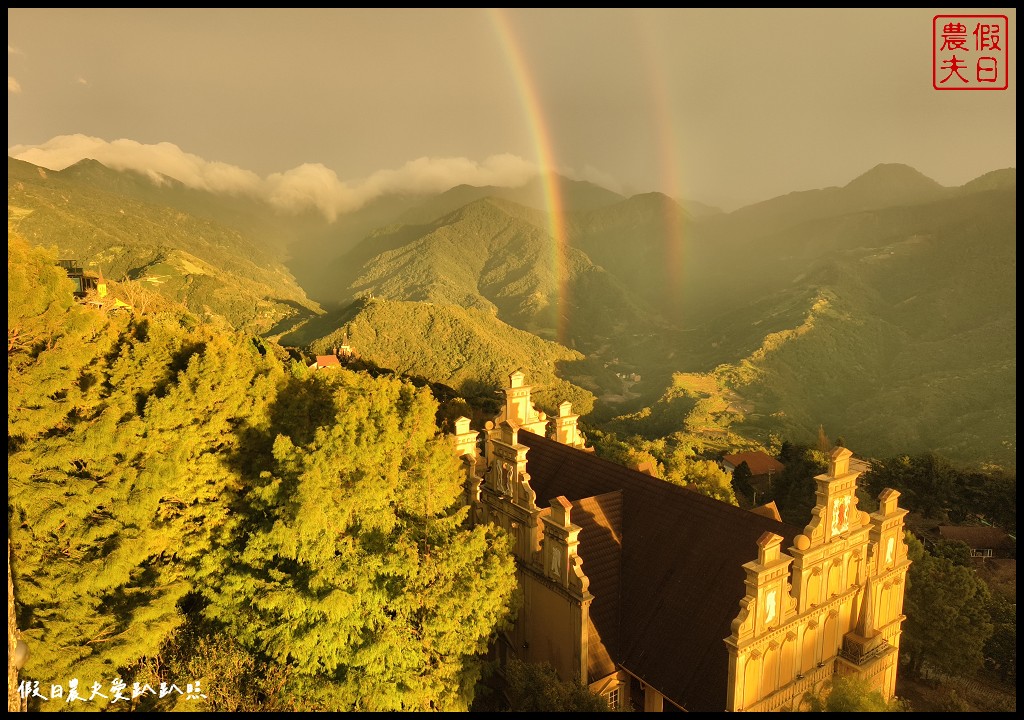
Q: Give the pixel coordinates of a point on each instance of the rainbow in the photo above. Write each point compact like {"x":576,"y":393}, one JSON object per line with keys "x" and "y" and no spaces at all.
{"x":665,"y":132}
{"x":546,"y":161}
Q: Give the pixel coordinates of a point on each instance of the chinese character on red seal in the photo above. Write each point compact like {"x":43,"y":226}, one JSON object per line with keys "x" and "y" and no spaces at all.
{"x":969,"y":52}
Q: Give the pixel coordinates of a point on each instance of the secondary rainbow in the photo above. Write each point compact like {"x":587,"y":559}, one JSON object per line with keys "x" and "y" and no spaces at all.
{"x":658,"y":81}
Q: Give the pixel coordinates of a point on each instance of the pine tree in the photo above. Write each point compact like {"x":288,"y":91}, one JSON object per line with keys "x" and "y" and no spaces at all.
{"x":741,"y":481}
{"x":946,"y":605}
{"x":39,"y":295}
{"x":353,"y":564}
{"x":824,"y":444}
{"x":152,"y":456}
{"x":120,"y":432}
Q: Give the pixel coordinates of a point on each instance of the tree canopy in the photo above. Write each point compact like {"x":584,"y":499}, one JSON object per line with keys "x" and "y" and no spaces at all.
{"x":741,"y":480}
{"x":352,"y":562}
{"x":157,"y":461}
{"x":793,"y":489}
{"x":850,"y":693}
{"x":535,"y":687}
{"x":934,"y":486}
{"x":117,"y":427}
{"x":946,"y":605}
{"x":673,"y":458}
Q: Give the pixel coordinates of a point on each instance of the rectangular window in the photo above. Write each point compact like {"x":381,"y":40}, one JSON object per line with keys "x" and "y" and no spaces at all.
{"x":613,"y":699}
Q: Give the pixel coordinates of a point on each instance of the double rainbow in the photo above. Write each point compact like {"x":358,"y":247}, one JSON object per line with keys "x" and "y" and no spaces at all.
{"x":540,"y":131}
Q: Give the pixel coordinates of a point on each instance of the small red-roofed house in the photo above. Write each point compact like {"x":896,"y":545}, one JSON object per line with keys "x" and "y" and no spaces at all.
{"x":325,"y":362}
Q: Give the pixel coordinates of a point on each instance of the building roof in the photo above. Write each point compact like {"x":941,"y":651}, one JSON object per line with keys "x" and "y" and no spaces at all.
{"x":681,"y":574}
{"x":977,"y":537}
{"x":760,"y":463}
{"x":859,"y":465}
{"x":323,"y":361}
{"x":600,"y":521}
{"x":769,"y":510}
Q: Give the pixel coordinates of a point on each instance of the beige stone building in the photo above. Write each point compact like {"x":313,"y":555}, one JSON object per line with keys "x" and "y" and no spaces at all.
{"x":661,"y":598}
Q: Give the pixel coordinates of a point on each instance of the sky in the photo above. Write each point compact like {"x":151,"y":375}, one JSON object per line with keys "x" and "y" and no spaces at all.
{"x":333,"y":107}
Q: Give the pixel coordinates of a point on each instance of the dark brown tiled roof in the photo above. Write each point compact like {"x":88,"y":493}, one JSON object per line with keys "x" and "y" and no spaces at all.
{"x":681,"y":568}
{"x":600,"y":521}
{"x":759,"y":463}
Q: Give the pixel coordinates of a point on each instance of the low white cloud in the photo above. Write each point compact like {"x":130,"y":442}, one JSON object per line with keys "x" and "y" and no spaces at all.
{"x":158,"y":161}
{"x":82,"y":81}
{"x":310,"y":185}
{"x":13,"y":86}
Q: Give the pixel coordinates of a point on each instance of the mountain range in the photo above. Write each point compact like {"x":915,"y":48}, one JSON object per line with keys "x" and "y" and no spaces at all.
{"x":215,"y":254}
{"x":882,"y":311}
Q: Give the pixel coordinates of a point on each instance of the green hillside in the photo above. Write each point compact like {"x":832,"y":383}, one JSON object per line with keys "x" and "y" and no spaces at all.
{"x":917,"y":348}
{"x":645,"y":243}
{"x":498,"y":256}
{"x":893,"y":328}
{"x":266,"y":228}
{"x":91,"y":214}
{"x":468,"y":349}
{"x":313,"y":255}
{"x":319,"y":250}
{"x":899,"y":338}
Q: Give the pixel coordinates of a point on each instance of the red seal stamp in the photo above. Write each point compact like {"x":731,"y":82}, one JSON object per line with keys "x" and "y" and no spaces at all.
{"x":970,"y":52}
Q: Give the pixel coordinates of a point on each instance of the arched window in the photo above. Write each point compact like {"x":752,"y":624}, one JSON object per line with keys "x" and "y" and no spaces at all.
{"x":787,"y":658}
{"x":752,"y":680}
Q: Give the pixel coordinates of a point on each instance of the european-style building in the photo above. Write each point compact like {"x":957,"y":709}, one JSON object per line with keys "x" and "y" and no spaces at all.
{"x":661,"y":598}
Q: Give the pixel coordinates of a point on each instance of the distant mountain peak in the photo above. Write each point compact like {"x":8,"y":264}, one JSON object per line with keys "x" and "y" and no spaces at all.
{"x":649,"y":204}
{"x":658,"y":198}
{"x":88,"y":167}
{"x":890,"y":184}
{"x":87,"y":163}
{"x":996,"y":179}
{"x":892,"y":174}
{"x":113,"y":180}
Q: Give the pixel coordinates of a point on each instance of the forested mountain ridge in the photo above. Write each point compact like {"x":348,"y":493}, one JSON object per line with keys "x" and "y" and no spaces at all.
{"x":918,"y":338}
{"x":494,"y":255}
{"x":918,"y":279}
{"x":574,"y":196}
{"x":121,"y":225}
{"x":885,"y":185}
{"x":466,"y":348}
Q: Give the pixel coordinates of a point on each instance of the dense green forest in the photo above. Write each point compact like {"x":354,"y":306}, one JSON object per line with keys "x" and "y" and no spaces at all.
{"x":468,"y":349}
{"x":179,"y":492}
